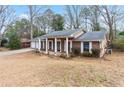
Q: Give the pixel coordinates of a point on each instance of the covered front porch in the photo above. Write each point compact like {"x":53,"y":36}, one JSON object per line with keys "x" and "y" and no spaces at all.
{"x":55,"y":46}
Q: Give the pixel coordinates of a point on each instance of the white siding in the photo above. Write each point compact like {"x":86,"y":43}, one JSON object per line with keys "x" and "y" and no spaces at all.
{"x":32,"y":44}
{"x":37,"y":44}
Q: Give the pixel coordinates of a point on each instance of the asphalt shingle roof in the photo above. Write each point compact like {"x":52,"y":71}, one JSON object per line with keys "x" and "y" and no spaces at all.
{"x":88,"y":36}
{"x":91,"y":36}
{"x":64,"y":33}
{"x":41,"y":37}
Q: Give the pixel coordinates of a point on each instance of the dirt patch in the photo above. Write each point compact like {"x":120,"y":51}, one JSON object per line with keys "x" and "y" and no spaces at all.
{"x":31,"y":69}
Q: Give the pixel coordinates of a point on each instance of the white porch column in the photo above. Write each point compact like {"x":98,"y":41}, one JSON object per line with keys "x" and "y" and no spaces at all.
{"x":46,"y":45}
{"x":90,"y":47}
{"x":67,"y":46}
{"x":52,"y":45}
{"x":39,"y":44}
{"x":55,"y":50}
{"x":71,"y":46}
{"x":82,"y":47}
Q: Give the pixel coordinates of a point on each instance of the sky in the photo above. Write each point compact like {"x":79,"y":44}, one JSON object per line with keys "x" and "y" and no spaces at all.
{"x":21,"y":10}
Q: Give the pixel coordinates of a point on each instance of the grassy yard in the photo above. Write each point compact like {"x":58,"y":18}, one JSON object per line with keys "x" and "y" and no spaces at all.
{"x":30,"y":69}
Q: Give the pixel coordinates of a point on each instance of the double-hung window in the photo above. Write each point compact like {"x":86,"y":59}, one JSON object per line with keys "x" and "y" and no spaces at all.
{"x":86,"y":46}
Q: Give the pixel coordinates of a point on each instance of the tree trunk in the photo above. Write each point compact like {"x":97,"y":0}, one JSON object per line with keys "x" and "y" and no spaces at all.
{"x":110,"y":33}
{"x":31,"y":21}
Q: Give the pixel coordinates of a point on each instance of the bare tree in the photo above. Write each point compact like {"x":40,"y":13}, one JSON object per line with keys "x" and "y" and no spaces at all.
{"x":7,"y":15}
{"x":90,"y":16}
{"x":111,"y":15}
{"x":34,"y":11}
{"x":44,"y":21}
{"x":73,"y":19}
{"x":95,"y":14}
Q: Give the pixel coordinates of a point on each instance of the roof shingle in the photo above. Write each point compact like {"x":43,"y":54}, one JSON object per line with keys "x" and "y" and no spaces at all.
{"x":91,"y":36}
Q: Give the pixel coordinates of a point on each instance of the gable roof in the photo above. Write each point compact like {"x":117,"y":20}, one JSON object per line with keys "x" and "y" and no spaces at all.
{"x":41,"y":37}
{"x":91,"y":36}
{"x":88,"y":36}
{"x":65,"y":33}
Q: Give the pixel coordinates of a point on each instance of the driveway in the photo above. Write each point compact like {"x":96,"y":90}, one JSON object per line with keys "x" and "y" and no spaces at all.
{"x":12,"y":52}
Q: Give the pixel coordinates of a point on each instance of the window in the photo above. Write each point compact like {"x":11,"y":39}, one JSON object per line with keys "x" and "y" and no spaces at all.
{"x":86,"y":46}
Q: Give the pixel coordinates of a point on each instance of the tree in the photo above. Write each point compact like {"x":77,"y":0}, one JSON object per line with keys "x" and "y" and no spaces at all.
{"x":34,"y":11}
{"x":73,"y":19}
{"x":95,"y":14}
{"x":36,"y":33}
{"x":90,"y":16}
{"x":19,"y":27}
{"x":111,"y":15}
{"x":7,"y":15}
{"x":44,"y":21}
{"x":14,"y":42}
{"x":58,"y":22}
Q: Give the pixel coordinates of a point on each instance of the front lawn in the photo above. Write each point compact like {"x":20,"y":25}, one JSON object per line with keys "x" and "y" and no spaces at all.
{"x":30,"y":69}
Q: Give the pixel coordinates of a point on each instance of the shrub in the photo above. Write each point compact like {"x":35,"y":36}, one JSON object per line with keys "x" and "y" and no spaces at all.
{"x":95,"y":52}
{"x":4,"y":42}
{"x":75,"y":51}
{"x":121,"y":33}
{"x":119,"y":44}
{"x":62,"y":55}
{"x":14,"y":42}
{"x":86,"y":54}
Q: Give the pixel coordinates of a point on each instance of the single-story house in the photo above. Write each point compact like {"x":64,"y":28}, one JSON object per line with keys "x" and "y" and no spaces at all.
{"x":64,"y":41}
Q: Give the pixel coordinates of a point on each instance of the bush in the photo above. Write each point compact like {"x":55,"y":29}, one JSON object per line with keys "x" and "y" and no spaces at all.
{"x":14,"y":42}
{"x":95,"y":52}
{"x":63,"y":55}
{"x":121,"y":33}
{"x":119,"y":44}
{"x":86,"y":54}
{"x":4,"y":42}
{"x":76,"y":51}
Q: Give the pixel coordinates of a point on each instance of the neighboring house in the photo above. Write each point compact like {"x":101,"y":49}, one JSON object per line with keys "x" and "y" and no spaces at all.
{"x":24,"y":35}
{"x":25,"y":43}
{"x":64,"y":41}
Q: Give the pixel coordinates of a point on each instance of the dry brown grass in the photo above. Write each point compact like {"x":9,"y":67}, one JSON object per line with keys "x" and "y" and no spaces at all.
{"x":30,"y":69}
{"x":3,"y":49}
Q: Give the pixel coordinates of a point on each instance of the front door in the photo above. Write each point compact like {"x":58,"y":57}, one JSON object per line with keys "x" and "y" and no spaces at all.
{"x":58,"y":46}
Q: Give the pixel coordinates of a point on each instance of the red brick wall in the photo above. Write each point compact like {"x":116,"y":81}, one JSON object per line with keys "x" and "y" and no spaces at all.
{"x":95,"y":44}
{"x":76,"y":44}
